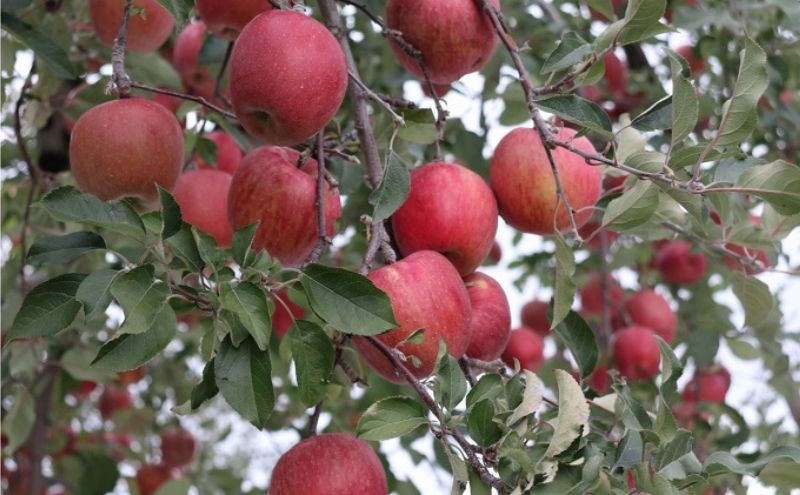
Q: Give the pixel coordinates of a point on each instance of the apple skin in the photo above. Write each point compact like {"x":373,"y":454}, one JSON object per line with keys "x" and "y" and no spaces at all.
{"x":171,"y":103}
{"x":592,"y":235}
{"x":229,"y":155}
{"x":288,"y":77}
{"x":616,"y":74}
{"x":281,"y":319}
{"x":145,"y":32}
{"x":177,"y":447}
{"x":534,"y":317}
{"x":227,"y":19}
{"x":426,"y":292}
{"x":637,"y":355}
{"x":600,"y":380}
{"x":753,"y":253}
{"x":270,"y":187}
{"x":491,"y":317}
{"x":112,"y":400}
{"x":130,"y":377}
{"x":525,"y":346}
{"x":197,"y":79}
{"x":84,"y":389}
{"x":709,"y":384}
{"x":649,"y":309}
{"x":591,"y":295}
{"x":329,"y":464}
{"x":678,"y":265}
{"x":525,"y":188}
{"x":449,"y":209}
{"x":495,"y":254}
{"x":454,"y":36}
{"x":203,"y":198}
{"x":150,"y":477}
{"x":124,"y":148}
{"x":696,"y":63}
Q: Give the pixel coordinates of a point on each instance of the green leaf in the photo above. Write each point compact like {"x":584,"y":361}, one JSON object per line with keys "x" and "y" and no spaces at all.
{"x":580,"y":341}
{"x":170,"y":214}
{"x":605,"y":7}
{"x":348,"y":301}
{"x":393,"y":190}
{"x":676,"y":448}
{"x":646,"y":161}
{"x":480,"y":425}
{"x":656,"y":117}
{"x":67,"y":204}
{"x":99,"y":473}
{"x":206,"y":150}
{"x":47,"y":50}
{"x":686,"y":106}
{"x":94,"y":292}
{"x":629,"y":451}
{"x":212,"y":51}
{"x":174,"y":487}
{"x":129,"y":351}
{"x":244,"y":376}
{"x":183,"y":246}
{"x":637,"y":412}
{"x":142,"y":296}
{"x":249,"y":303}
{"x":153,"y":68}
{"x":49,"y":308}
{"x":314,"y":357}
{"x":242,"y":243}
{"x":571,"y":50}
{"x":723,"y":462}
{"x":180,"y":10}
{"x":755,"y":296}
{"x":488,"y":387}
{"x":64,"y":248}
{"x":740,"y":113}
{"x":633,"y":208}
{"x":669,"y":361}
{"x":777,"y":183}
{"x":451,"y":385}
{"x":573,"y":414}
{"x":420,"y":125}
{"x":564,"y":291}
{"x":391,"y":417}
{"x":578,"y":110}
{"x":531,"y":398}
{"x":18,"y":423}
{"x":207,"y":388}
{"x":641,"y":20}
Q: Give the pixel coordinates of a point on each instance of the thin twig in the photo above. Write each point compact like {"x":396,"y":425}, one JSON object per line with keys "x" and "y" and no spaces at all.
{"x":398,"y":119}
{"x":313,"y":420}
{"x":119,"y":77}
{"x":467,"y":372}
{"x":177,"y":94}
{"x":322,"y":238}
{"x":33,"y":172}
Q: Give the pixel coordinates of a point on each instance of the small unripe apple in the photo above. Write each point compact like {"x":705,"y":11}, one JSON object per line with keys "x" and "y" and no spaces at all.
{"x":150,"y":477}
{"x":227,"y":19}
{"x":228,"y":153}
{"x":329,"y":464}
{"x":455,"y":37}
{"x":709,"y":384}
{"x":637,"y":355}
{"x":177,"y":447}
{"x":288,"y":77}
{"x":146,"y":32}
{"x":281,"y":319}
{"x":112,"y":400}
{"x":203,"y":198}
{"x":491,"y":317}
{"x":124,"y":148}
{"x":679,"y":265}
{"x":523,"y":183}
{"x":525,"y":346}
{"x":449,"y":209}
{"x":534,"y":316}
{"x":650,"y":309}
{"x":592,"y":299}
{"x":426,"y":292}
{"x":695,"y":61}
{"x":197,"y":78}
{"x":273,"y":187}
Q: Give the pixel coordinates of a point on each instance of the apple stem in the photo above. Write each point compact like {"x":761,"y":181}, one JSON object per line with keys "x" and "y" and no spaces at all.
{"x":314,"y":419}
{"x":119,"y":77}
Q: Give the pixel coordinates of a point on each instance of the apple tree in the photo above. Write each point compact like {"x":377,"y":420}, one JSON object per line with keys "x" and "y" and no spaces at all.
{"x":280,"y":245}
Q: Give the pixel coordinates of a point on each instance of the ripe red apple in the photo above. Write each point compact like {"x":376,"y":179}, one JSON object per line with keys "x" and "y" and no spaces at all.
{"x":288,"y":77}
{"x":130,"y":377}
{"x":695,"y":60}
{"x":150,"y":477}
{"x":177,"y":447}
{"x":523,"y":183}
{"x":600,"y":380}
{"x":271,"y":186}
{"x":426,"y":292}
{"x":755,"y":254}
{"x":124,"y":148}
{"x":171,"y":103}
{"x":281,"y":319}
{"x":112,"y":400}
{"x":449,"y":209}
{"x":197,"y":78}
{"x":709,"y":384}
{"x":491,"y":317}
{"x":534,"y":317}
{"x":593,"y":235}
{"x":227,"y":19}
{"x":636,"y":353}
{"x":329,"y":464}
{"x":525,"y":346}
{"x":203,"y":198}
{"x":678,"y":265}
{"x":228,"y":153}
{"x":439,"y":89}
{"x":454,"y":36}
{"x":84,"y":389}
{"x":650,"y":309}
{"x":495,"y":254}
{"x":591,"y":295}
{"x":146,"y":32}
{"x":616,"y":74}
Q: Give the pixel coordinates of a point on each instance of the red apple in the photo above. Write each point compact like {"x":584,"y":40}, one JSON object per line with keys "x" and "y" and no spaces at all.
{"x":709,"y":384}
{"x":616,"y":74}
{"x":650,"y":309}
{"x":734,"y":263}
{"x":454,"y":36}
{"x":203,"y":198}
{"x":150,"y":477}
{"x":282,"y":319}
{"x":593,"y":235}
{"x":525,"y":346}
{"x":329,"y":464}
{"x":440,"y":89}
{"x":112,"y":400}
{"x":130,"y":377}
{"x":692,"y":56}
{"x":491,"y":317}
{"x":197,"y":78}
{"x":523,"y":183}
{"x":84,"y":389}
{"x":600,"y":380}
{"x":426,"y":292}
{"x":637,"y":355}
{"x":124,"y":148}
{"x":227,"y":19}
{"x":592,"y":298}
{"x":678,"y":265}
{"x":146,"y":32}
{"x":228,"y":153}
{"x":171,"y":103}
{"x":449,"y":209}
{"x":177,"y":447}
{"x":272,"y":187}
{"x":495,"y":254}
{"x":288,"y":77}
{"x":534,"y":317}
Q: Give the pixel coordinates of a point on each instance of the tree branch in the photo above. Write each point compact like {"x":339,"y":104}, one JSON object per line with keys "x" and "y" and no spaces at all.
{"x":33,"y":172}
{"x":119,"y":77}
{"x":322,"y":238}
{"x":184,"y":96}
